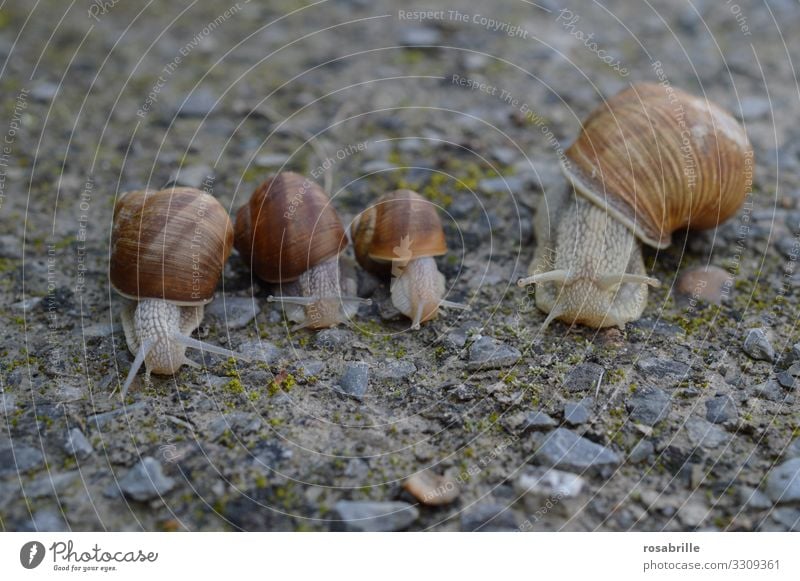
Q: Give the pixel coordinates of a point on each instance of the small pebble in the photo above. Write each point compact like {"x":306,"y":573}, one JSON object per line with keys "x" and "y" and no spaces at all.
{"x":649,"y":405}
{"x":375,"y":516}
{"x":420,"y":35}
{"x":489,"y":353}
{"x":355,"y":380}
{"x":500,"y":185}
{"x":233,"y":312}
{"x":641,"y":451}
{"x":20,"y":458}
{"x":783,"y":482}
{"x":193,"y":176}
{"x":577,"y":413}
{"x":549,"y":489}
{"x":146,"y":481}
{"x":584,"y":377}
{"x":721,"y":409}
{"x":655,"y":367}
{"x":77,"y":445}
{"x":565,"y":450}
{"x":488,"y":517}
{"x":704,"y":434}
{"x":431,"y":488}
{"x":260,"y":351}
{"x":537,"y":421}
{"x":757,"y":345}
{"x":395,"y":370}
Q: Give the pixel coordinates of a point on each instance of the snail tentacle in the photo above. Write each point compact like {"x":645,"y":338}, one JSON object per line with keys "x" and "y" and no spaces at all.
{"x":144,"y":348}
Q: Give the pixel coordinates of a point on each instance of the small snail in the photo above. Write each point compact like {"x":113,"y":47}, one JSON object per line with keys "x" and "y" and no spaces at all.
{"x":648,"y":162}
{"x":399,"y":236}
{"x":168,"y":250}
{"x":288,"y":232}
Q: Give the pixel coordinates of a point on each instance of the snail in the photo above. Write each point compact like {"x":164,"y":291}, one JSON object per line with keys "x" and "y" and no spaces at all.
{"x":288,"y":232}
{"x":399,"y":236}
{"x":168,"y":250}
{"x":650,"y":161}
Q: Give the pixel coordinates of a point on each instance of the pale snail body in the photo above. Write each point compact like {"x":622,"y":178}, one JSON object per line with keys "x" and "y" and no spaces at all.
{"x":399,"y":236}
{"x":288,"y":233}
{"x":648,"y":162}
{"x":168,"y":250}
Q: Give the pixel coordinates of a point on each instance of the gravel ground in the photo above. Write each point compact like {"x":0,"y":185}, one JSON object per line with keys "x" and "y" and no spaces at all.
{"x":686,"y":420}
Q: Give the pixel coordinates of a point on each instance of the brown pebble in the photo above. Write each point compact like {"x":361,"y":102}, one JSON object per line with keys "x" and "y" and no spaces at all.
{"x":431,"y":489}
{"x":710,"y":284}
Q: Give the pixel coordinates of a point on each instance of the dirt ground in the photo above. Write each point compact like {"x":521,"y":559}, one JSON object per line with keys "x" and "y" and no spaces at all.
{"x":671,"y":424}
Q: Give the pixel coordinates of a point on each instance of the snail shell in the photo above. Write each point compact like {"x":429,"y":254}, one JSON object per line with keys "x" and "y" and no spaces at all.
{"x":170,"y":245}
{"x":660,"y":161}
{"x":288,"y":232}
{"x":649,"y":161}
{"x":399,"y":236}
{"x":168,"y":251}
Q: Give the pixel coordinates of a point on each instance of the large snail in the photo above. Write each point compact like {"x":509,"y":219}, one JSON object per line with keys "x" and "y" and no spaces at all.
{"x":289,"y":233}
{"x":168,"y":251}
{"x":650,"y":161}
{"x":399,"y":236}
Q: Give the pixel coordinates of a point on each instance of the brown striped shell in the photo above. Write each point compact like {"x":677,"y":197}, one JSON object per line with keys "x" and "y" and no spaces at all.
{"x":400,"y":226}
{"x":170,"y":244}
{"x":660,"y":160}
{"x":287,"y":227}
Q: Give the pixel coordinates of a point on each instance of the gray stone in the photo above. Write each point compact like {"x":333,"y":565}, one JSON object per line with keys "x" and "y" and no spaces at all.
{"x":721,"y":409}
{"x":752,"y":108}
{"x":20,"y":458}
{"x":500,"y":185}
{"x":7,"y":402}
{"x":146,"y":481}
{"x":770,"y":390}
{"x":275,"y":160}
{"x":789,"y":378}
{"x":489,"y":353}
{"x":44,"y":92}
{"x":649,"y":405}
{"x":789,"y":247}
{"x":310,"y":367}
{"x":653,"y":366}
{"x":577,"y":413}
{"x":641,"y":451}
{"x":355,"y":380}
{"x":566,"y":450}
{"x":198,"y":103}
{"x":238,"y":423}
{"x":395,"y":370}
{"x":792,"y":356}
{"x":537,"y":421}
{"x":786,"y":518}
{"x":77,"y":444}
{"x":753,"y":498}
{"x":488,"y":517}
{"x":10,"y":246}
{"x":262,"y":351}
{"x":505,"y":155}
{"x":193,"y":176}
{"x":757,"y":345}
{"x":51,"y":484}
{"x":420,"y":35}
{"x":584,"y":377}
{"x":47,"y":520}
{"x":793,"y":449}
{"x":101,"y":419}
{"x":375,"y":516}
{"x":704,"y":434}
{"x":332,"y":339}
{"x":783,"y":482}
{"x":27,"y":305}
{"x":233,"y":312}
{"x":549,"y":490}
{"x":377,"y":165}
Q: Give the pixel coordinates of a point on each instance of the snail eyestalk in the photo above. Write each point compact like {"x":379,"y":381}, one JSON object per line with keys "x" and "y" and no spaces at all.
{"x":452,"y":305}
{"x":607,"y":281}
{"x":144,"y":349}
{"x":552,"y":276}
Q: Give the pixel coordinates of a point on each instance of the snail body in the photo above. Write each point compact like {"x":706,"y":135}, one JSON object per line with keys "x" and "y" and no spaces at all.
{"x":289,"y":234}
{"x":399,"y":236}
{"x":648,"y":162}
{"x":168,"y":251}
